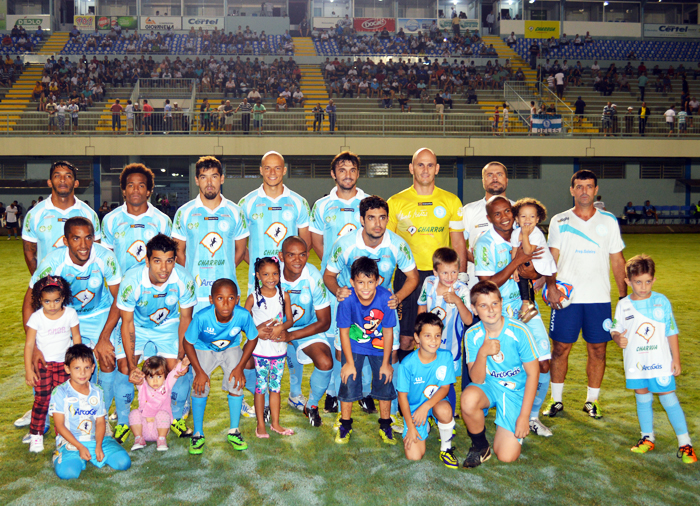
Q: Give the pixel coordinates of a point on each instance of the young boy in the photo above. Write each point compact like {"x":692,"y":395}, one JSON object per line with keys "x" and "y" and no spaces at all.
{"x":366,"y":327}
{"x":447,"y":297}
{"x":213,"y":339}
{"x":644,"y":327}
{"x":503,"y":366}
{"x":425,"y":378}
{"x":78,"y":412}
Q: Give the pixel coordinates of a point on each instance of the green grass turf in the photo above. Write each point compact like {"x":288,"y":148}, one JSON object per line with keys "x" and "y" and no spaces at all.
{"x":586,"y":462}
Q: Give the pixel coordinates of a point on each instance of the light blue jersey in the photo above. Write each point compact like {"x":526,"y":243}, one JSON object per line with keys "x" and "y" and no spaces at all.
{"x":492,"y":255}
{"x":80,"y":411}
{"x":44,"y":224}
{"x":307,"y":295}
{"x":207,"y":333}
{"x":127,"y":235}
{"x":210,"y":236}
{"x":420,"y":381}
{"x":270,"y":221}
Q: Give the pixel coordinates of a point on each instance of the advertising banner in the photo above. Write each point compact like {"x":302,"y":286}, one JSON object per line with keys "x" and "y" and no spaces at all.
{"x":206,"y":24}
{"x":414,"y":25}
{"x":326,"y":23}
{"x":541,"y":29}
{"x":161,"y":23}
{"x":84,"y":23}
{"x":126,"y":22}
{"x":464,"y":24}
{"x":374,"y":24}
{"x":30,"y":22}
{"x":546,"y":123}
{"x":3,"y":14}
{"x":672,"y":31}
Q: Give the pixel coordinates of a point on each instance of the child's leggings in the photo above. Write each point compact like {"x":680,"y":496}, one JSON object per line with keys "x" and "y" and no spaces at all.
{"x":268,"y":374}
{"x":150,"y":429}
{"x":49,"y":378}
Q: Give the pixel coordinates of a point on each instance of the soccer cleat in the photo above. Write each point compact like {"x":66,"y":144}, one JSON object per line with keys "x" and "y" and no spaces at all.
{"x":448,"y":458}
{"x":266,"y":414}
{"x":539,"y":429}
{"x":343,"y":435}
{"x":643,"y":445}
{"x":397,"y":423}
{"x":387,"y":434}
{"x":313,"y":415}
{"x":121,"y":433}
{"x":593,"y":409}
{"x":247,"y":410}
{"x":139,"y":442}
{"x":236,"y":439}
{"x":161,"y":444}
{"x":336,"y":424}
{"x":367,"y":405}
{"x":197,"y":445}
{"x":687,"y":454}
{"x":25,"y":419}
{"x":37,"y":444}
{"x":297,"y":402}
{"x":179,"y":427}
{"x":477,"y":457}
{"x":552,"y":407}
{"x":331,"y":404}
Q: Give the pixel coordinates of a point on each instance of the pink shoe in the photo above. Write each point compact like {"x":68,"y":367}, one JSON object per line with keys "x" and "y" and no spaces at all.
{"x":162,"y":445}
{"x":139,"y":442}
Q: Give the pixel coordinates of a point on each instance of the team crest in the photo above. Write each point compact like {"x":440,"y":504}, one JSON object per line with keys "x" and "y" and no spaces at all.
{"x":277,"y":231}
{"x":212,"y":241}
{"x":221,"y":343}
{"x":646,"y":331}
{"x":412,"y":230}
{"x":137,"y":250}
{"x":59,"y":242}
{"x":441,"y":313}
{"x":430,"y":391}
{"x":159,"y":316}
{"x":347,"y":228}
{"x":84,"y":297}
{"x":498,"y":357}
{"x":85,"y":426}
{"x":297,"y":312}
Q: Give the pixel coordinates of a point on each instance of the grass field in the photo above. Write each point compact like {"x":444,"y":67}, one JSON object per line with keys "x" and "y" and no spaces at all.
{"x":586,"y":462}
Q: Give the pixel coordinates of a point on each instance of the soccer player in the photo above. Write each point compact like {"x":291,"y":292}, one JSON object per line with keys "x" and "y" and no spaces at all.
{"x":584,"y":242}
{"x":155,"y":301}
{"x":502,"y":361}
{"x":311,"y":313}
{"x":333,"y":216}
{"x":126,"y":231}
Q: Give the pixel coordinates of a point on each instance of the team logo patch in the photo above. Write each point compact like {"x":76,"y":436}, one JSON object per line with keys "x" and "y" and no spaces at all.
{"x":159,"y":316}
{"x":601,"y":230}
{"x":440,"y":212}
{"x":137,"y":250}
{"x":412,"y":230}
{"x":498,"y":357}
{"x":221,"y":343}
{"x":93,"y":400}
{"x":212,"y":241}
{"x":305,"y":298}
{"x":384,"y":266}
{"x":646,"y":331}
{"x":58,"y":243}
{"x":658,"y":313}
{"x":94,"y":282}
{"x":234,"y":331}
{"x":85,"y":426}
{"x":663,"y":380}
{"x":430,"y":390}
{"x":170,"y":300}
{"x":288,"y":215}
{"x":347,"y":228}
{"x":297,"y":312}
{"x":277,"y":231}
{"x":441,"y":372}
{"x":508,"y":384}
{"x":441,"y":313}
{"x":607,"y":325}
{"x":84,"y":297}
{"x":149,"y":234}
{"x":223,"y":226}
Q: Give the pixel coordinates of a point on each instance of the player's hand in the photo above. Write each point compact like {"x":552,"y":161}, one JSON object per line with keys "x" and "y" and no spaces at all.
{"x":526,"y":230}
{"x":450,"y":297}
{"x":185,"y":363}
{"x":521,"y":257}
{"x":85,"y":453}
{"x":265,"y":330}
{"x":522,"y":426}
{"x":31,"y":378}
{"x":420,"y":416}
{"x":38,"y":360}
{"x":276,"y":334}
{"x":412,"y":436}
{"x":551,"y":287}
{"x":620,"y":339}
{"x":393,"y":301}
{"x":99,"y":453}
{"x":386,"y":372}
{"x":136,"y":376}
{"x":237,"y":378}
{"x":349,"y":370}
{"x":104,"y":352}
{"x":491,"y":346}
{"x":342,"y":293}
{"x":200,"y":382}
{"x":539,"y":283}
{"x":676,"y":367}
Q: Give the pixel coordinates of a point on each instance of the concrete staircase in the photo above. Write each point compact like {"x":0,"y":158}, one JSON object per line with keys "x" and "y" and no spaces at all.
{"x":19,"y":97}
{"x":304,"y":46}
{"x":55,"y":43}
{"x":313,"y":86}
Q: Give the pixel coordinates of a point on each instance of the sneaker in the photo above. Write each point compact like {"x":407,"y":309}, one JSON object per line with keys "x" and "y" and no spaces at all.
{"x":397,"y":423}
{"x":108,"y":430}
{"x":162,"y":444}
{"x":343,"y":435}
{"x":247,"y":410}
{"x":538,"y":428}
{"x":368,"y":406}
{"x":197,"y":445}
{"x":24,"y":420}
{"x":331,"y":404}
{"x":477,"y":457}
{"x":179,"y":427}
{"x":297,"y":402}
{"x":687,"y":454}
{"x":593,"y":409}
{"x":266,"y":414}
{"x":448,"y":458}
{"x":387,"y":435}
{"x":36,"y":445}
{"x":236,"y":439}
{"x":552,"y":407}
{"x":643,"y":445}
{"x":336,"y":424}
{"x":313,"y":415}
{"x":121,"y":433}
{"x":139,"y":442}
{"x":113,"y":417}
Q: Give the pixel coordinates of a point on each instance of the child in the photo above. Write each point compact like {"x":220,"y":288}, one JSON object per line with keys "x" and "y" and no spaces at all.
{"x":151,"y":420}
{"x":425,"y":377}
{"x":213,"y":339}
{"x":51,"y":327}
{"x":528,"y":213}
{"x":447,"y":297}
{"x":78,"y":411}
{"x":366,"y":327}
{"x":644,"y":327}
{"x":272,"y":314}
{"x":503,"y":366}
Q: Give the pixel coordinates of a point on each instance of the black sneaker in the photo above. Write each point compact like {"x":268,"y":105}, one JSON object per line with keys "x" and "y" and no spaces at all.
{"x":477,"y":457}
{"x":593,"y":409}
{"x":367,"y":405}
{"x":552,"y":407}
{"x":313,"y":415}
{"x":331,"y":404}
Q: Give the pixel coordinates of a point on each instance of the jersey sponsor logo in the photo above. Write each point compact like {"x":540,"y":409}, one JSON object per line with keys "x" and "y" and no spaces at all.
{"x":651,"y":367}
{"x":84,"y":297}
{"x":347,"y":209}
{"x":221,"y":343}
{"x":160,"y":315}
{"x":441,"y":372}
{"x":428,"y":230}
{"x":211,"y":263}
{"x":277,"y":231}
{"x":126,"y":292}
{"x":202,"y":282}
{"x":650,"y":347}
{"x":419,"y":380}
{"x":211,"y":218}
{"x":506,"y":374}
{"x":81,"y":412}
{"x":425,"y":203}
{"x":297,"y":312}
{"x":137,"y":250}
{"x":274,"y":208}
{"x":138,"y":225}
{"x":430,"y":390}
{"x":209,"y":330}
{"x":212,"y":242}
{"x":646,"y":331}
{"x":562,"y":220}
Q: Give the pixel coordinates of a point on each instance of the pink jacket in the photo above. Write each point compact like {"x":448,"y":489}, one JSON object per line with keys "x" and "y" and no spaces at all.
{"x":151,"y":401}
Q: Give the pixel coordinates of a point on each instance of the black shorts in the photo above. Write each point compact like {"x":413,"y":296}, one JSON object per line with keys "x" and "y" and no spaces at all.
{"x":12,"y":225}
{"x":408,"y":309}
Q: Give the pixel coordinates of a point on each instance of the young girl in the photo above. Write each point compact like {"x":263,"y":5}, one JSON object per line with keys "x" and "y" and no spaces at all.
{"x":151,"y":420}
{"x":51,"y":328}
{"x":272,"y":314}
{"x":528,"y":213}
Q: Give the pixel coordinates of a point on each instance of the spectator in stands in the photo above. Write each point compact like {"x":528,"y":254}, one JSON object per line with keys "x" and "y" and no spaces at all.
{"x":281,"y":103}
{"x":534,"y":53}
{"x":629,"y":121}
{"x":51,"y":111}
{"x":511,"y":40}
{"x":579,"y":109}
{"x":317,"y":111}
{"x":624,"y":83}
{"x":694,"y":105}
{"x":167,"y":117}
{"x":667,"y":86}
{"x":74,"y":33}
{"x":606,"y":119}
{"x":245,"y":107}
{"x":629,"y":214}
{"x":147,"y":117}
{"x":649,"y":211}
{"x":298,"y":98}
{"x":682,"y":119}
{"x":331,"y":111}
{"x":116,"y":116}
{"x":642,"y":81}
{"x":588,"y":39}
{"x":670,"y":116}
{"x":643,"y":115}
{"x":228,"y":116}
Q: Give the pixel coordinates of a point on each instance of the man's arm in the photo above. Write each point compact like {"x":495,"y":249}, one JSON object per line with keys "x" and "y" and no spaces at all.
{"x":322,"y":323}
{"x":181,"y":256}
{"x":317,"y":244}
{"x":459,"y":244}
{"x":30,"y":255}
{"x":617,"y":260}
{"x":104,"y":350}
{"x":331,"y":281}
{"x":27,"y":309}
{"x":412,"y":280}
{"x":185,"y":320}
{"x":241,"y":245}
{"x":520,"y":258}
{"x":306,"y":235}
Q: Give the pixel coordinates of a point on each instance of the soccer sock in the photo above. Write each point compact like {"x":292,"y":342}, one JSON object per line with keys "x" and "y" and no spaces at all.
{"x":593,"y":394}
{"x":106,"y":382}
{"x":199,"y":404}
{"x":557,"y":391}
{"x":366,"y":379}
{"x":395,"y":382}
{"x":541,"y":394}
{"x":479,"y":441}
{"x":249,"y":380}
{"x":319,"y":382}
{"x":181,"y":390}
{"x":234,"y":410}
{"x":645,"y":414}
{"x":452,"y":398}
{"x":446,"y":434}
{"x":333,"y":386}
{"x":123,"y":396}
{"x":676,"y":417}
{"x":296,"y":372}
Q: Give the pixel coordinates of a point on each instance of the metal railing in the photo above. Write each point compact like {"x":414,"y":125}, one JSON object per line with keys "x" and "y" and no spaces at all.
{"x":167,"y":88}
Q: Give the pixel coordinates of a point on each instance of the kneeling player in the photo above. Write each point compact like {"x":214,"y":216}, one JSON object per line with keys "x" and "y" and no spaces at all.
{"x":425,"y":378}
{"x":504,"y":370}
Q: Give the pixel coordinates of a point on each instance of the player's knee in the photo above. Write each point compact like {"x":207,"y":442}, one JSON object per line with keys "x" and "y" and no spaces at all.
{"x":443,"y":411}
{"x":69,"y":471}
{"x":414,"y":455}
{"x":560,"y":350}
{"x":406,"y":343}
{"x":544,"y":366}
{"x":324,"y":362}
{"x":596,"y":352}
{"x":508,"y":456}
{"x":119,"y":461}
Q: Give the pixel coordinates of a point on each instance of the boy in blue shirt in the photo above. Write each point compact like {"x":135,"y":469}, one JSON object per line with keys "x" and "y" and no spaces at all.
{"x":366,"y":327}
{"x":78,"y":411}
{"x":213,"y":340}
{"x":425,"y":378}
{"x":503,"y":366}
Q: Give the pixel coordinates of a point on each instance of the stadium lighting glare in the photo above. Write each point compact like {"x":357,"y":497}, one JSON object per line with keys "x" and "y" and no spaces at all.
{"x":605,"y":4}
{"x":162,"y":170}
{"x":532,"y":1}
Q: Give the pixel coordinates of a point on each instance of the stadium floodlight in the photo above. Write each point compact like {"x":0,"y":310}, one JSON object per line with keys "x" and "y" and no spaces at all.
{"x":605,"y":4}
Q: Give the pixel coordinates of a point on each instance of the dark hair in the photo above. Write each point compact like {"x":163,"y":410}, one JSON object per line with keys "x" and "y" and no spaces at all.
{"x":427,"y":318}
{"x":583,"y":175}
{"x":294,"y":238}
{"x":638,"y":265}
{"x":366,"y":266}
{"x":539,"y":206}
{"x":77,"y":221}
{"x":444,"y":256}
{"x":136,"y":168}
{"x":161,"y":242}
{"x":208,"y":162}
{"x":483,"y":288}
{"x":50,"y":284}
{"x":79,"y":352}
{"x":63,"y":163}
{"x":345,"y":156}
{"x":373,"y":202}
{"x":224,"y":282}
{"x":154,"y":365}
{"x":259,"y":263}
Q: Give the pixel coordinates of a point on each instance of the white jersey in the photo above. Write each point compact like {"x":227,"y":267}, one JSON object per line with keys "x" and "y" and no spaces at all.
{"x":545,"y":266}
{"x":584,"y":253}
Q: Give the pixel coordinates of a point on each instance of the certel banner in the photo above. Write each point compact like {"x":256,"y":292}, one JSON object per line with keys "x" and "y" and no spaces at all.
{"x":203,"y":23}
{"x":30,"y":22}
{"x":671,"y":31}
{"x":161,"y":23}
{"x":374,"y":24}
{"x":541,"y":29}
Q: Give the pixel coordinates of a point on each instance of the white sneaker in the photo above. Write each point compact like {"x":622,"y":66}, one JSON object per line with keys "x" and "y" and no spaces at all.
{"x":539,"y":429}
{"x":26,"y":439}
{"x":247,"y":410}
{"x":108,"y":430}
{"x":24,"y":420}
{"x":37,"y":443}
{"x":397,"y":423}
{"x":297,"y":402}
{"x":113,"y":417}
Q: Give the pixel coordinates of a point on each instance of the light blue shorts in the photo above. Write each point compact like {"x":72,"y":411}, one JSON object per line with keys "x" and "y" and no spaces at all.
{"x":508,"y":404}
{"x":659,"y":385}
{"x":64,"y":458}
{"x":91,"y":327}
{"x":162,"y":342}
{"x":423,"y":430}
{"x":540,"y":338}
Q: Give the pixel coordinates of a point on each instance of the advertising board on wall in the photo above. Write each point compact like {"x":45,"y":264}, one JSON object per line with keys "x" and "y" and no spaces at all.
{"x":464,"y":24}
{"x":326,"y":23}
{"x":415,"y":25}
{"x":374,"y":24}
{"x":84,"y":23}
{"x":672,"y":31}
{"x":3,"y":14}
{"x":203,"y":23}
{"x":160,"y":23}
{"x":541,"y":29}
{"x":126,"y":22}
{"x":30,"y":22}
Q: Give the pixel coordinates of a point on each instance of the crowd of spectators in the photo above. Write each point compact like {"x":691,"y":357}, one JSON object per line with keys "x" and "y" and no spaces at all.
{"x":9,"y":70}
{"x":19,"y":40}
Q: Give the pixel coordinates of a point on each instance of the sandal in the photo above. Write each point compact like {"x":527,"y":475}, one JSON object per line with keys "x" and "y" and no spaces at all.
{"x":261,"y":436}
{"x":527,"y":312}
{"x":285,"y":432}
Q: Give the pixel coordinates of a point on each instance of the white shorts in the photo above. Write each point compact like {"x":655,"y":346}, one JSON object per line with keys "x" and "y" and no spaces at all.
{"x":300,"y":344}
